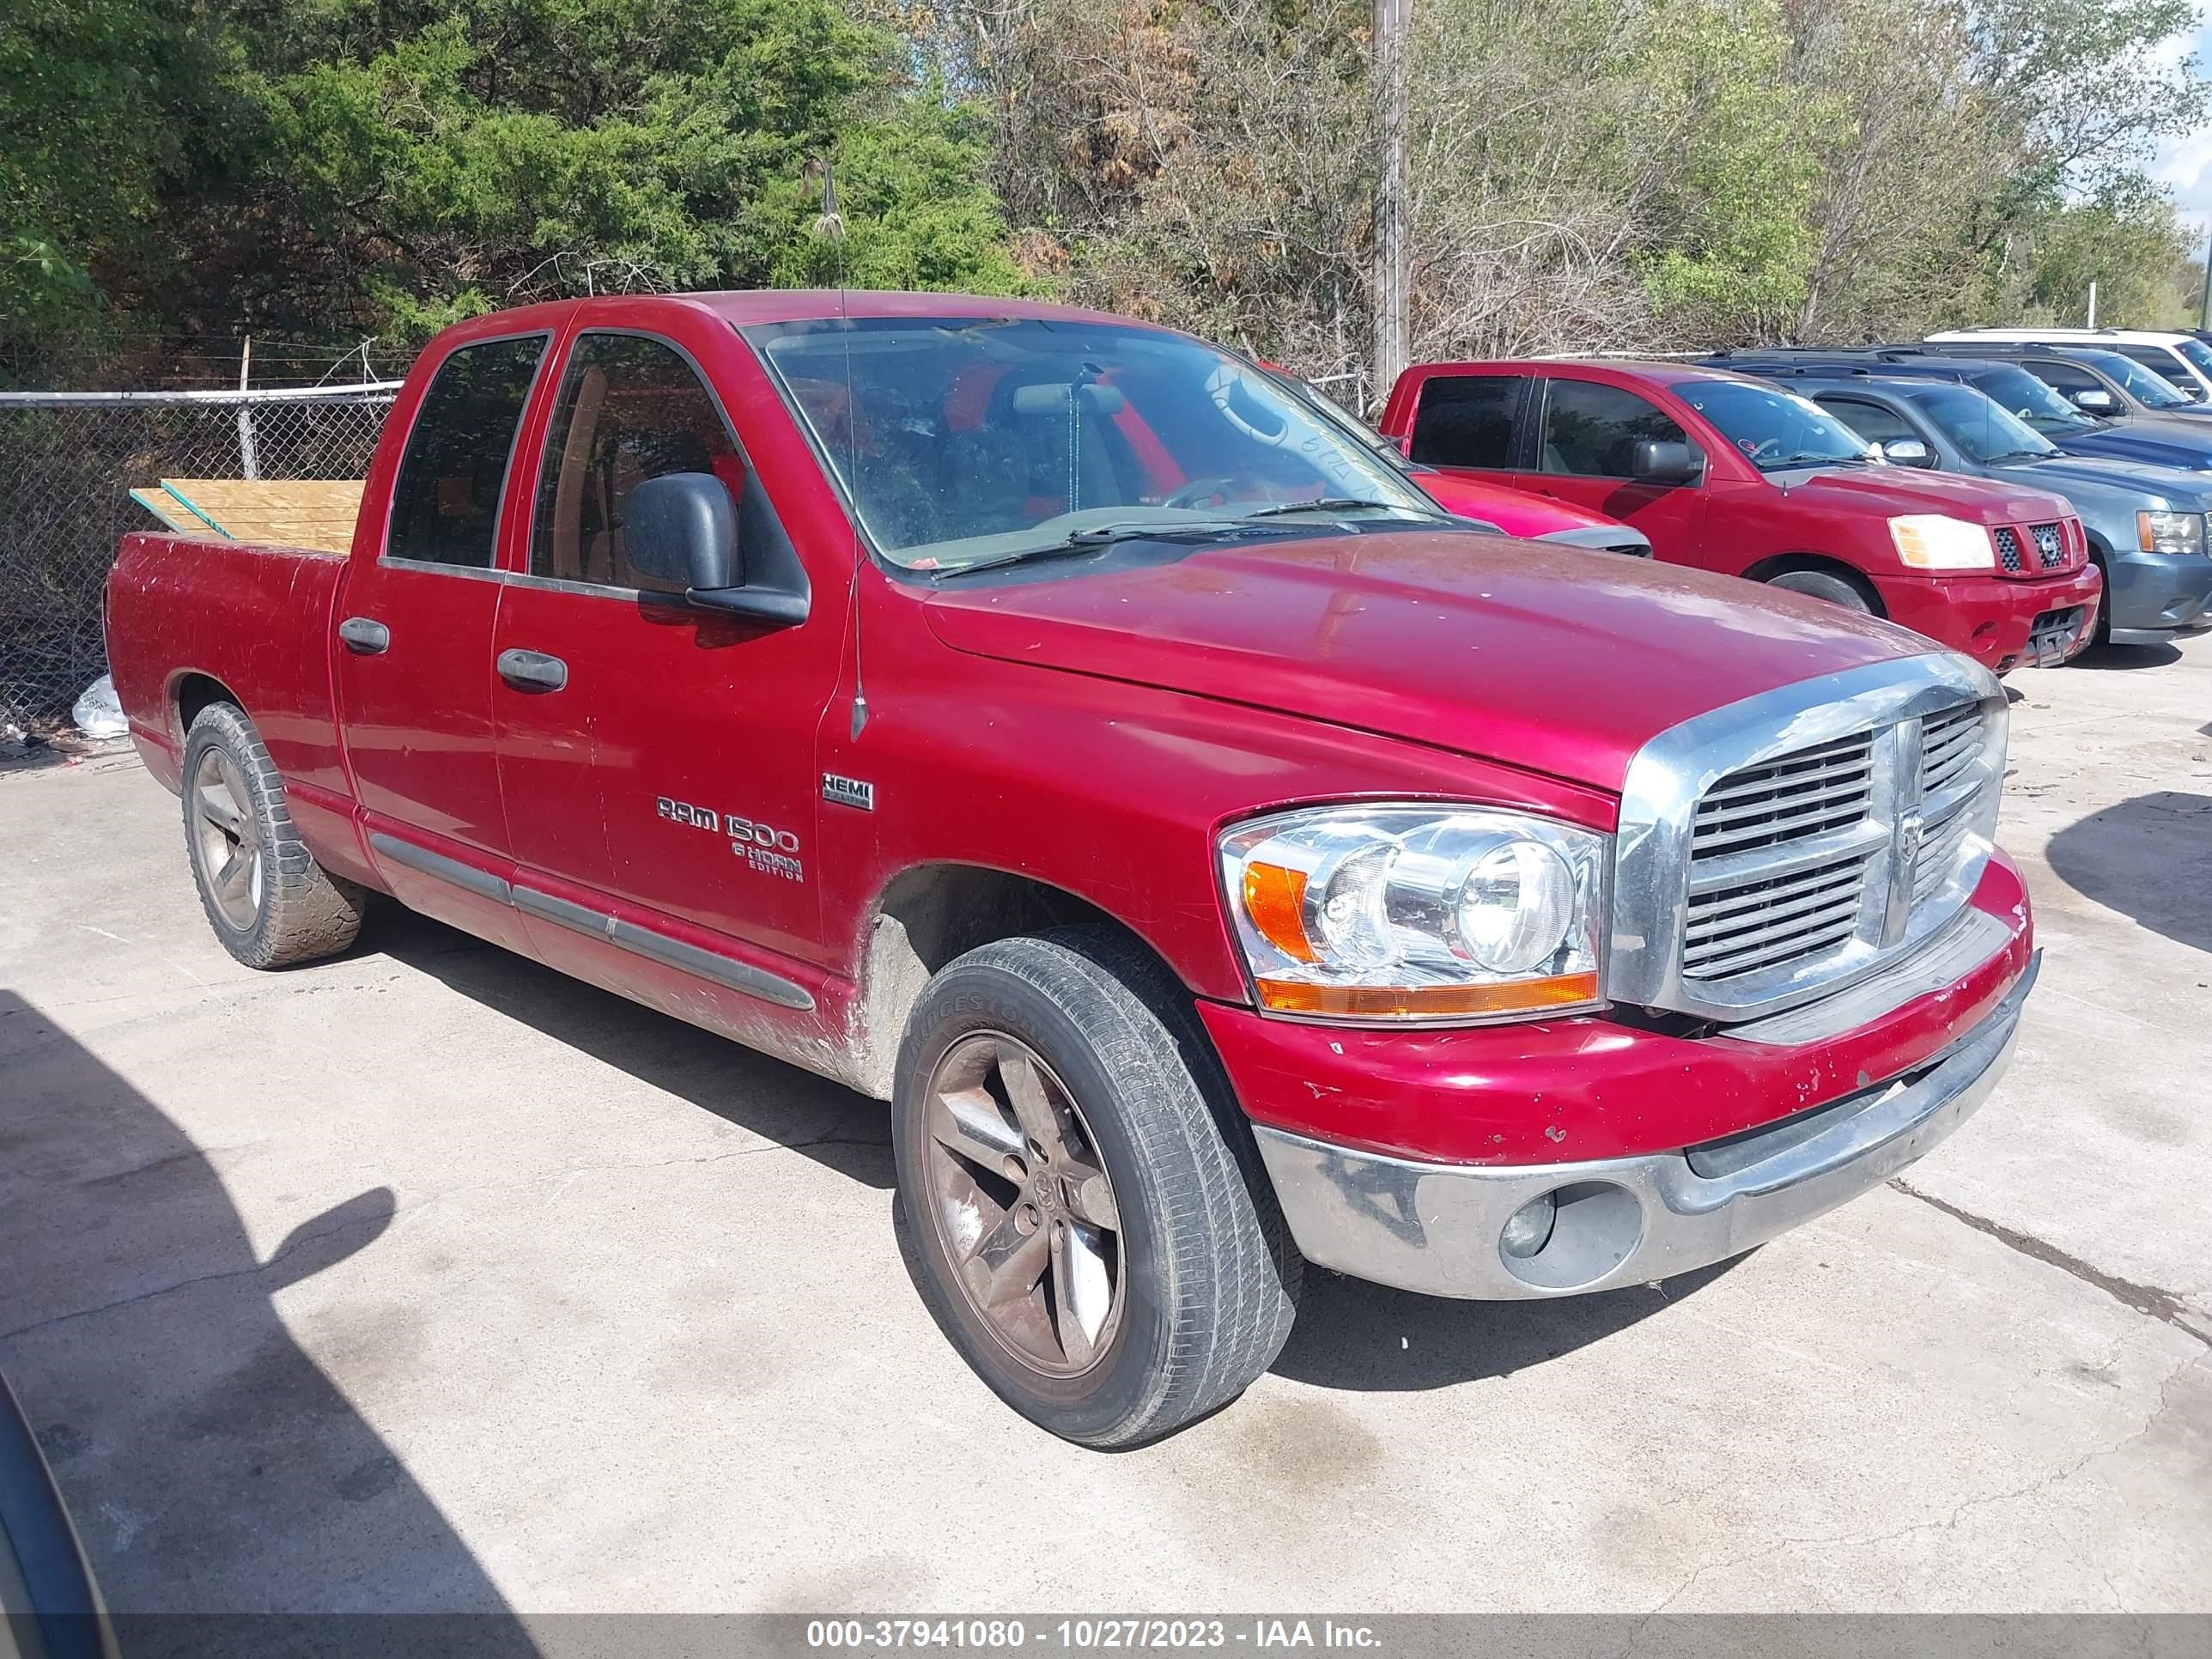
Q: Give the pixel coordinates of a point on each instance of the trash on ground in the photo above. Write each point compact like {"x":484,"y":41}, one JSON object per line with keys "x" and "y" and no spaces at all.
{"x":98,"y":714}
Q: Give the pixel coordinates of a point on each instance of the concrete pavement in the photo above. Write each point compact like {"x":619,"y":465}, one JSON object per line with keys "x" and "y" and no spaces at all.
{"x":426,"y":1278}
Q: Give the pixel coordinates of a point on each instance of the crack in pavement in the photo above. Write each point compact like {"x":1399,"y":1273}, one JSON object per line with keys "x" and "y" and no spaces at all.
{"x":2161,"y":1305}
{"x":1855,"y":1540}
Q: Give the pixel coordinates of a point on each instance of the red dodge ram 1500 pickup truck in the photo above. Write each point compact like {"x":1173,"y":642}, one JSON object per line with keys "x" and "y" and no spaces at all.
{"x":1727,"y":473}
{"x":1221,"y":861}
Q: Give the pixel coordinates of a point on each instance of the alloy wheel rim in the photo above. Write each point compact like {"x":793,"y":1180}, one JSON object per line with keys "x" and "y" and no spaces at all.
{"x":229,"y":847}
{"x":1021,"y":1199}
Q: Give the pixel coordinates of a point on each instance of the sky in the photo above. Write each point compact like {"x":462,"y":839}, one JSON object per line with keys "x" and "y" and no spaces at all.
{"x":2184,"y":165}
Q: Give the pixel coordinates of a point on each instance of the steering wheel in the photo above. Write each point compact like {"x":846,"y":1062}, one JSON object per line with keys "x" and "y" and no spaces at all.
{"x":1752,"y":451}
{"x":1197,"y":490}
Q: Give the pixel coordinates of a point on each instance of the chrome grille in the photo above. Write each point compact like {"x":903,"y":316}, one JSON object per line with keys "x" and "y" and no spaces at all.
{"x":1756,"y":924}
{"x":1949,"y":742}
{"x":1787,"y":799}
{"x":2050,"y":545}
{"x":2008,"y":548}
{"x":1827,"y":850}
{"x":1779,"y":848}
{"x":1938,"y":857}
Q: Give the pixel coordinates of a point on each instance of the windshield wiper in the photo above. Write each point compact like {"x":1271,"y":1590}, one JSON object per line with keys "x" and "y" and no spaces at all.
{"x":2018,"y":455}
{"x":1809,"y":459}
{"x":1339,"y":504}
{"x":1086,"y":541}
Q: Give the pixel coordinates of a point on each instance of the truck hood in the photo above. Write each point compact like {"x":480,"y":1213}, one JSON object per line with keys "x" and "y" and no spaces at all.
{"x":1891,"y":490}
{"x":1547,"y":658}
{"x":2130,"y":484}
{"x":2159,"y":445}
{"x":1515,"y":512}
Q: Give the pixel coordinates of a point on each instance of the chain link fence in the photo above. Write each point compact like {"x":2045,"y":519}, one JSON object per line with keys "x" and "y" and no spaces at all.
{"x":68,"y":462}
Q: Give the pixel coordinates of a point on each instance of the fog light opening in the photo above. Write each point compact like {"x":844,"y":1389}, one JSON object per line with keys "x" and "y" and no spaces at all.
{"x":1572,"y":1237}
{"x":1529,"y":1229}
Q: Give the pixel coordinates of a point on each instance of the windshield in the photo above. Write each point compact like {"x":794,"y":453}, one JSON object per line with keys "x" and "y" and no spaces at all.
{"x":2041,"y":406}
{"x":1979,"y":426}
{"x":1329,"y":406}
{"x":2150,"y":390}
{"x":1774,"y":430}
{"x":962,"y":442}
{"x":2200,"y":357}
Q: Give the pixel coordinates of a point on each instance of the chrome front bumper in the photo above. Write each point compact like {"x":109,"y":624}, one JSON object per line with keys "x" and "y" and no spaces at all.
{"x":1437,"y":1227}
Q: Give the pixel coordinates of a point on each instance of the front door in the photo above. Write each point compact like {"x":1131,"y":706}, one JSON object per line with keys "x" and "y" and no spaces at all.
{"x":414,"y":669}
{"x":1587,"y":432}
{"x":660,"y":773}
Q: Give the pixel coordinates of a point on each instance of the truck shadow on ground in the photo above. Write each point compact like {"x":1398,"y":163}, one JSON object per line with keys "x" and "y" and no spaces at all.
{"x":810,"y":1114}
{"x":2149,"y":859}
{"x":208,"y":1462}
{"x":2125,"y":656}
{"x":1349,"y":1335}
{"x":1354,"y":1335}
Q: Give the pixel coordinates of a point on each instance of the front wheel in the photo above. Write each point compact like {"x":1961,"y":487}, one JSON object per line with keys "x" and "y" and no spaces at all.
{"x":1089,"y":1225}
{"x":1819,"y":585}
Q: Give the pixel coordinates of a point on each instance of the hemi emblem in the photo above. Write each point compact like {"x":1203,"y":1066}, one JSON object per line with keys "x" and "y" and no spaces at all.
{"x":848,"y":792}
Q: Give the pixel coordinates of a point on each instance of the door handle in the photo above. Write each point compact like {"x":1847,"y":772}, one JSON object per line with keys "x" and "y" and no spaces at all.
{"x":363,"y":637}
{"x":532,"y":671}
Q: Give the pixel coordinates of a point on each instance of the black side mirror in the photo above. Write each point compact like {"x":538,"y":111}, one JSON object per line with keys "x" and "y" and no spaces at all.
{"x":2096,"y":401}
{"x":1908,"y":451}
{"x":682,"y":527}
{"x":1661,"y":461}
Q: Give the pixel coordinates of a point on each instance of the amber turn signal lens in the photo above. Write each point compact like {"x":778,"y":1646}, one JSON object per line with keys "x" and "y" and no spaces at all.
{"x":1290,"y":996}
{"x":1275,"y":900}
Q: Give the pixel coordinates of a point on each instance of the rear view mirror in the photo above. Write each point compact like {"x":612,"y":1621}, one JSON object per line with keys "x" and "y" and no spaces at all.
{"x":1659,"y":461}
{"x":680,"y":527}
{"x":1907,"y":451}
{"x":2096,"y":401}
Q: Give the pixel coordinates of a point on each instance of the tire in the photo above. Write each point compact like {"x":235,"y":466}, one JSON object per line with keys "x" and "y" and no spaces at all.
{"x":1819,"y":585}
{"x":1201,"y":1278}
{"x":280,"y":907}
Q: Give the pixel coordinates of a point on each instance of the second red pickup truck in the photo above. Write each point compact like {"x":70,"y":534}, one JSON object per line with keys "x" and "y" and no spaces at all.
{"x":1221,"y":859}
{"x":1731,"y":474}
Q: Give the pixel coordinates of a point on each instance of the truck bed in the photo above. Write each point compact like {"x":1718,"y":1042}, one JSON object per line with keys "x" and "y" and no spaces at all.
{"x":255,"y":618}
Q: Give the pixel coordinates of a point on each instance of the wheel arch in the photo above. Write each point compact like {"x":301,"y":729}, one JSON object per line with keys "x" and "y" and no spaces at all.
{"x":928,"y":914}
{"x":193,"y":691}
{"x":1827,"y":565}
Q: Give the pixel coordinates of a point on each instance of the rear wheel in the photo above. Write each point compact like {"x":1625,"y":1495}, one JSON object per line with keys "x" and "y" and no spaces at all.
{"x":267,"y":899}
{"x":1090,"y":1228}
{"x":1819,"y":585}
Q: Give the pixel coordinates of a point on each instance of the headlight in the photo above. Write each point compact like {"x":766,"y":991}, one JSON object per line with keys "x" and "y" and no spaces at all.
{"x":1417,"y":912}
{"x":1932,"y":541}
{"x":2171,"y":532}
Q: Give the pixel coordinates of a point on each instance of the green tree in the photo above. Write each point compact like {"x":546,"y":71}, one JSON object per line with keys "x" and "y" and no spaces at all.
{"x":105,"y":105}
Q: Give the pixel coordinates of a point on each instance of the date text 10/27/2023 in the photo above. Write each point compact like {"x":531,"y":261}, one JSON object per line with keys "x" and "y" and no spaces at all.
{"x":1087,"y":1635}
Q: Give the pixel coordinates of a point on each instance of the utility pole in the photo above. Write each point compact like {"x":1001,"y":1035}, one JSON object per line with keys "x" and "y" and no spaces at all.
{"x":2092,"y":305}
{"x":2204,"y":306}
{"x":249,"y":453}
{"x":1392,"y":342}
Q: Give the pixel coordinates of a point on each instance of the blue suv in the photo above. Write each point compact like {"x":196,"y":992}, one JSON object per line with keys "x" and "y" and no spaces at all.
{"x":2146,"y":524}
{"x":2182,"y":443}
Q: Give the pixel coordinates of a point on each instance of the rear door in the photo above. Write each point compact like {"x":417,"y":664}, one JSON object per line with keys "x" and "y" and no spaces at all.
{"x":1585,"y":433}
{"x":414,"y":663}
{"x":1471,"y":424}
{"x":657,"y":762}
